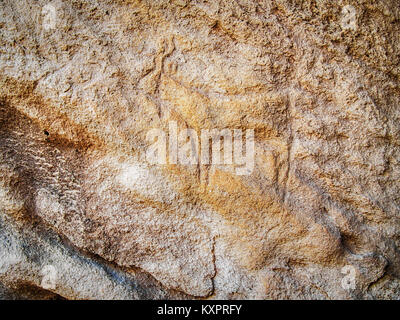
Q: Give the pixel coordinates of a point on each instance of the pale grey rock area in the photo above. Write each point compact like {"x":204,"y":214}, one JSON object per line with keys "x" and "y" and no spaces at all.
{"x":84,"y":216}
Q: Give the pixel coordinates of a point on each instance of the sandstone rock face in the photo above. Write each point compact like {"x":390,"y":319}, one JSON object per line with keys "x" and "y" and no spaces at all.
{"x":83,"y":215}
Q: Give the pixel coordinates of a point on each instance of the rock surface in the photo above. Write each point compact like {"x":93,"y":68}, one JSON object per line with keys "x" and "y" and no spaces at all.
{"x":83,"y":81}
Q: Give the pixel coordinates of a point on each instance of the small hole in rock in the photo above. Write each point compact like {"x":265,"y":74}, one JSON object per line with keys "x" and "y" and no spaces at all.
{"x":46,"y":132}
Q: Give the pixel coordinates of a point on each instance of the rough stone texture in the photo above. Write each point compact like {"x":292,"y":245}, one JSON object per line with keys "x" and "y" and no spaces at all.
{"x":76,"y":102}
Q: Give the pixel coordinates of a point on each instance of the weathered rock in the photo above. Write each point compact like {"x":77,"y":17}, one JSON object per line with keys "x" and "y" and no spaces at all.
{"x":83,"y":81}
